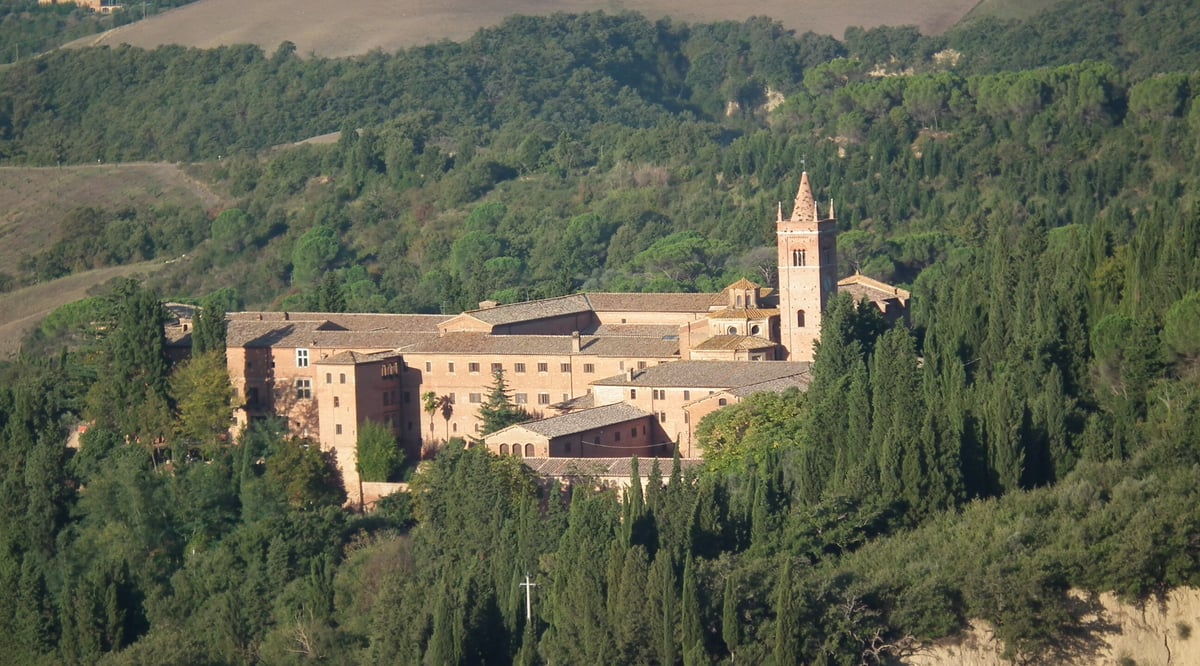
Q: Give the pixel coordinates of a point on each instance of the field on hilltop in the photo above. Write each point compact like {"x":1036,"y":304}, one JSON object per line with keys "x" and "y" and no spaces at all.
{"x":34,"y":199}
{"x":358,"y":26}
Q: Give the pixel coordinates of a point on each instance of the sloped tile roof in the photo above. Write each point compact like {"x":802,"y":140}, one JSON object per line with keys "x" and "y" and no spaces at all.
{"x":328,"y":330}
{"x":734,"y":342}
{"x":707,"y":374}
{"x":774,"y":385}
{"x":354,"y":358}
{"x":580,"y":421}
{"x":615,"y":302}
{"x":532,"y":310}
{"x":744,"y":314}
{"x":742,"y":284}
{"x":637,"y":330}
{"x":860,"y":286}
{"x":549,"y":345}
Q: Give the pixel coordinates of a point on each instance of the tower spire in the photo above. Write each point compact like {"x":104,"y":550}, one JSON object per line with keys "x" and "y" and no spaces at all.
{"x":805,"y":207}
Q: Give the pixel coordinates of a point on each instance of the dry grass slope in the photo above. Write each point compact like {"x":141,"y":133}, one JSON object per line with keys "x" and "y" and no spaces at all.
{"x":23,"y":309}
{"x":33,"y":199}
{"x":353,"y":27}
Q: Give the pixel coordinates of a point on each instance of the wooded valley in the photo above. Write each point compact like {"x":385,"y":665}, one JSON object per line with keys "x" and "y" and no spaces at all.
{"x":1035,"y":431}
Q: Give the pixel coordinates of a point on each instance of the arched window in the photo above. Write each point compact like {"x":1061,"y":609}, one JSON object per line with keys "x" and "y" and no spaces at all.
{"x":798,"y":258}
{"x":517,"y":450}
{"x":504,"y":449}
{"x":739,"y":300}
{"x":732,"y":330}
{"x":800,"y":318}
{"x":529,"y":450}
{"x":721,"y":402}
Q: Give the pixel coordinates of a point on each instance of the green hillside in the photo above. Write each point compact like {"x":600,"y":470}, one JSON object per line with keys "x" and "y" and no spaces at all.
{"x":1033,"y":433}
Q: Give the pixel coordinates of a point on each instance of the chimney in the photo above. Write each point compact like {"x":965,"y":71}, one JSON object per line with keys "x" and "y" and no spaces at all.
{"x":487,"y":305}
{"x":576,"y":344}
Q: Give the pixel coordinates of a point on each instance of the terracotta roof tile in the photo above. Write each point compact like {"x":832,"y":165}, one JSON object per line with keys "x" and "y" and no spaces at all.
{"x":734,"y":342}
{"x":550,"y":345}
{"x":860,"y":286}
{"x":774,"y":385}
{"x":708,"y":374}
{"x":635,"y":302}
{"x":744,"y":313}
{"x":580,"y":421}
{"x":354,"y":358}
{"x":532,"y":310}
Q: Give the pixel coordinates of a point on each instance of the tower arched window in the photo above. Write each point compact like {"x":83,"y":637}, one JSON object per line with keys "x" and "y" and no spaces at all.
{"x":739,"y":300}
{"x":798,"y":258}
{"x":800,"y":318}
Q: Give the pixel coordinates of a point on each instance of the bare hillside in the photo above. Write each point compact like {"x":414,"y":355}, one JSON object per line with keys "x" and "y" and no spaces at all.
{"x":23,"y":309}
{"x":354,"y":27}
{"x":33,"y":199}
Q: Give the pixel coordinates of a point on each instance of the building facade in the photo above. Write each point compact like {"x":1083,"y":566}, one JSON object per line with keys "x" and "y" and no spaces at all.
{"x":660,"y":362}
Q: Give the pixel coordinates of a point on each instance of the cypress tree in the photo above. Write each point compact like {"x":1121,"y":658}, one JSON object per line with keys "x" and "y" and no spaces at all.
{"x":786,"y":649}
{"x":693,"y":630}
{"x":731,"y":625}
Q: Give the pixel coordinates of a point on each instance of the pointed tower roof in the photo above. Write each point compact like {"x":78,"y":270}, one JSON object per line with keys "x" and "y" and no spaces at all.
{"x":805,"y":207}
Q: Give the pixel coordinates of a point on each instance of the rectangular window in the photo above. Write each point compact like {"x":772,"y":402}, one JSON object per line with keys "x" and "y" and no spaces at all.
{"x":387,"y":399}
{"x":428,"y":366}
{"x":687,"y":418}
{"x":632,"y":394}
{"x":329,"y":378}
{"x":341,"y":378}
{"x":589,"y":367}
{"x":543,"y":398}
{"x":337,"y":401}
{"x":543,"y":367}
{"x":473,"y":368}
{"x":301,"y":358}
{"x":475,"y":398}
{"x":617,"y":436}
{"x":662,"y":417}
{"x":633,"y":432}
{"x":565,"y":397}
{"x":564,"y":367}
{"x":407,"y":397}
{"x":641,"y":365}
{"x":338,"y":428}
{"x":497,"y":367}
{"x":660,"y":394}
{"x":518,"y":367}
{"x":450,"y":367}
{"x":303,"y":389}
{"x":522,"y":398}
{"x":687,"y":395}
{"x":450,"y":398}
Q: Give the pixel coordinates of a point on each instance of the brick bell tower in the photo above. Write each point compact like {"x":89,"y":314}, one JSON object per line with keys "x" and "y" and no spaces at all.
{"x":807,"y":272}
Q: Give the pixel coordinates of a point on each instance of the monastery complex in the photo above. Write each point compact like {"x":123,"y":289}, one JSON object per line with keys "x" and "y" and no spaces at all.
{"x":608,"y":375}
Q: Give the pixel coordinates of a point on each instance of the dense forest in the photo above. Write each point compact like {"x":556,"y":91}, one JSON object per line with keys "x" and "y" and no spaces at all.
{"x":1034,"y":432}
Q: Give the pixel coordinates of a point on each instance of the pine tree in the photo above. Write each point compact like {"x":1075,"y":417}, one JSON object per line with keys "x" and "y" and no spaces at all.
{"x":499,"y":411}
